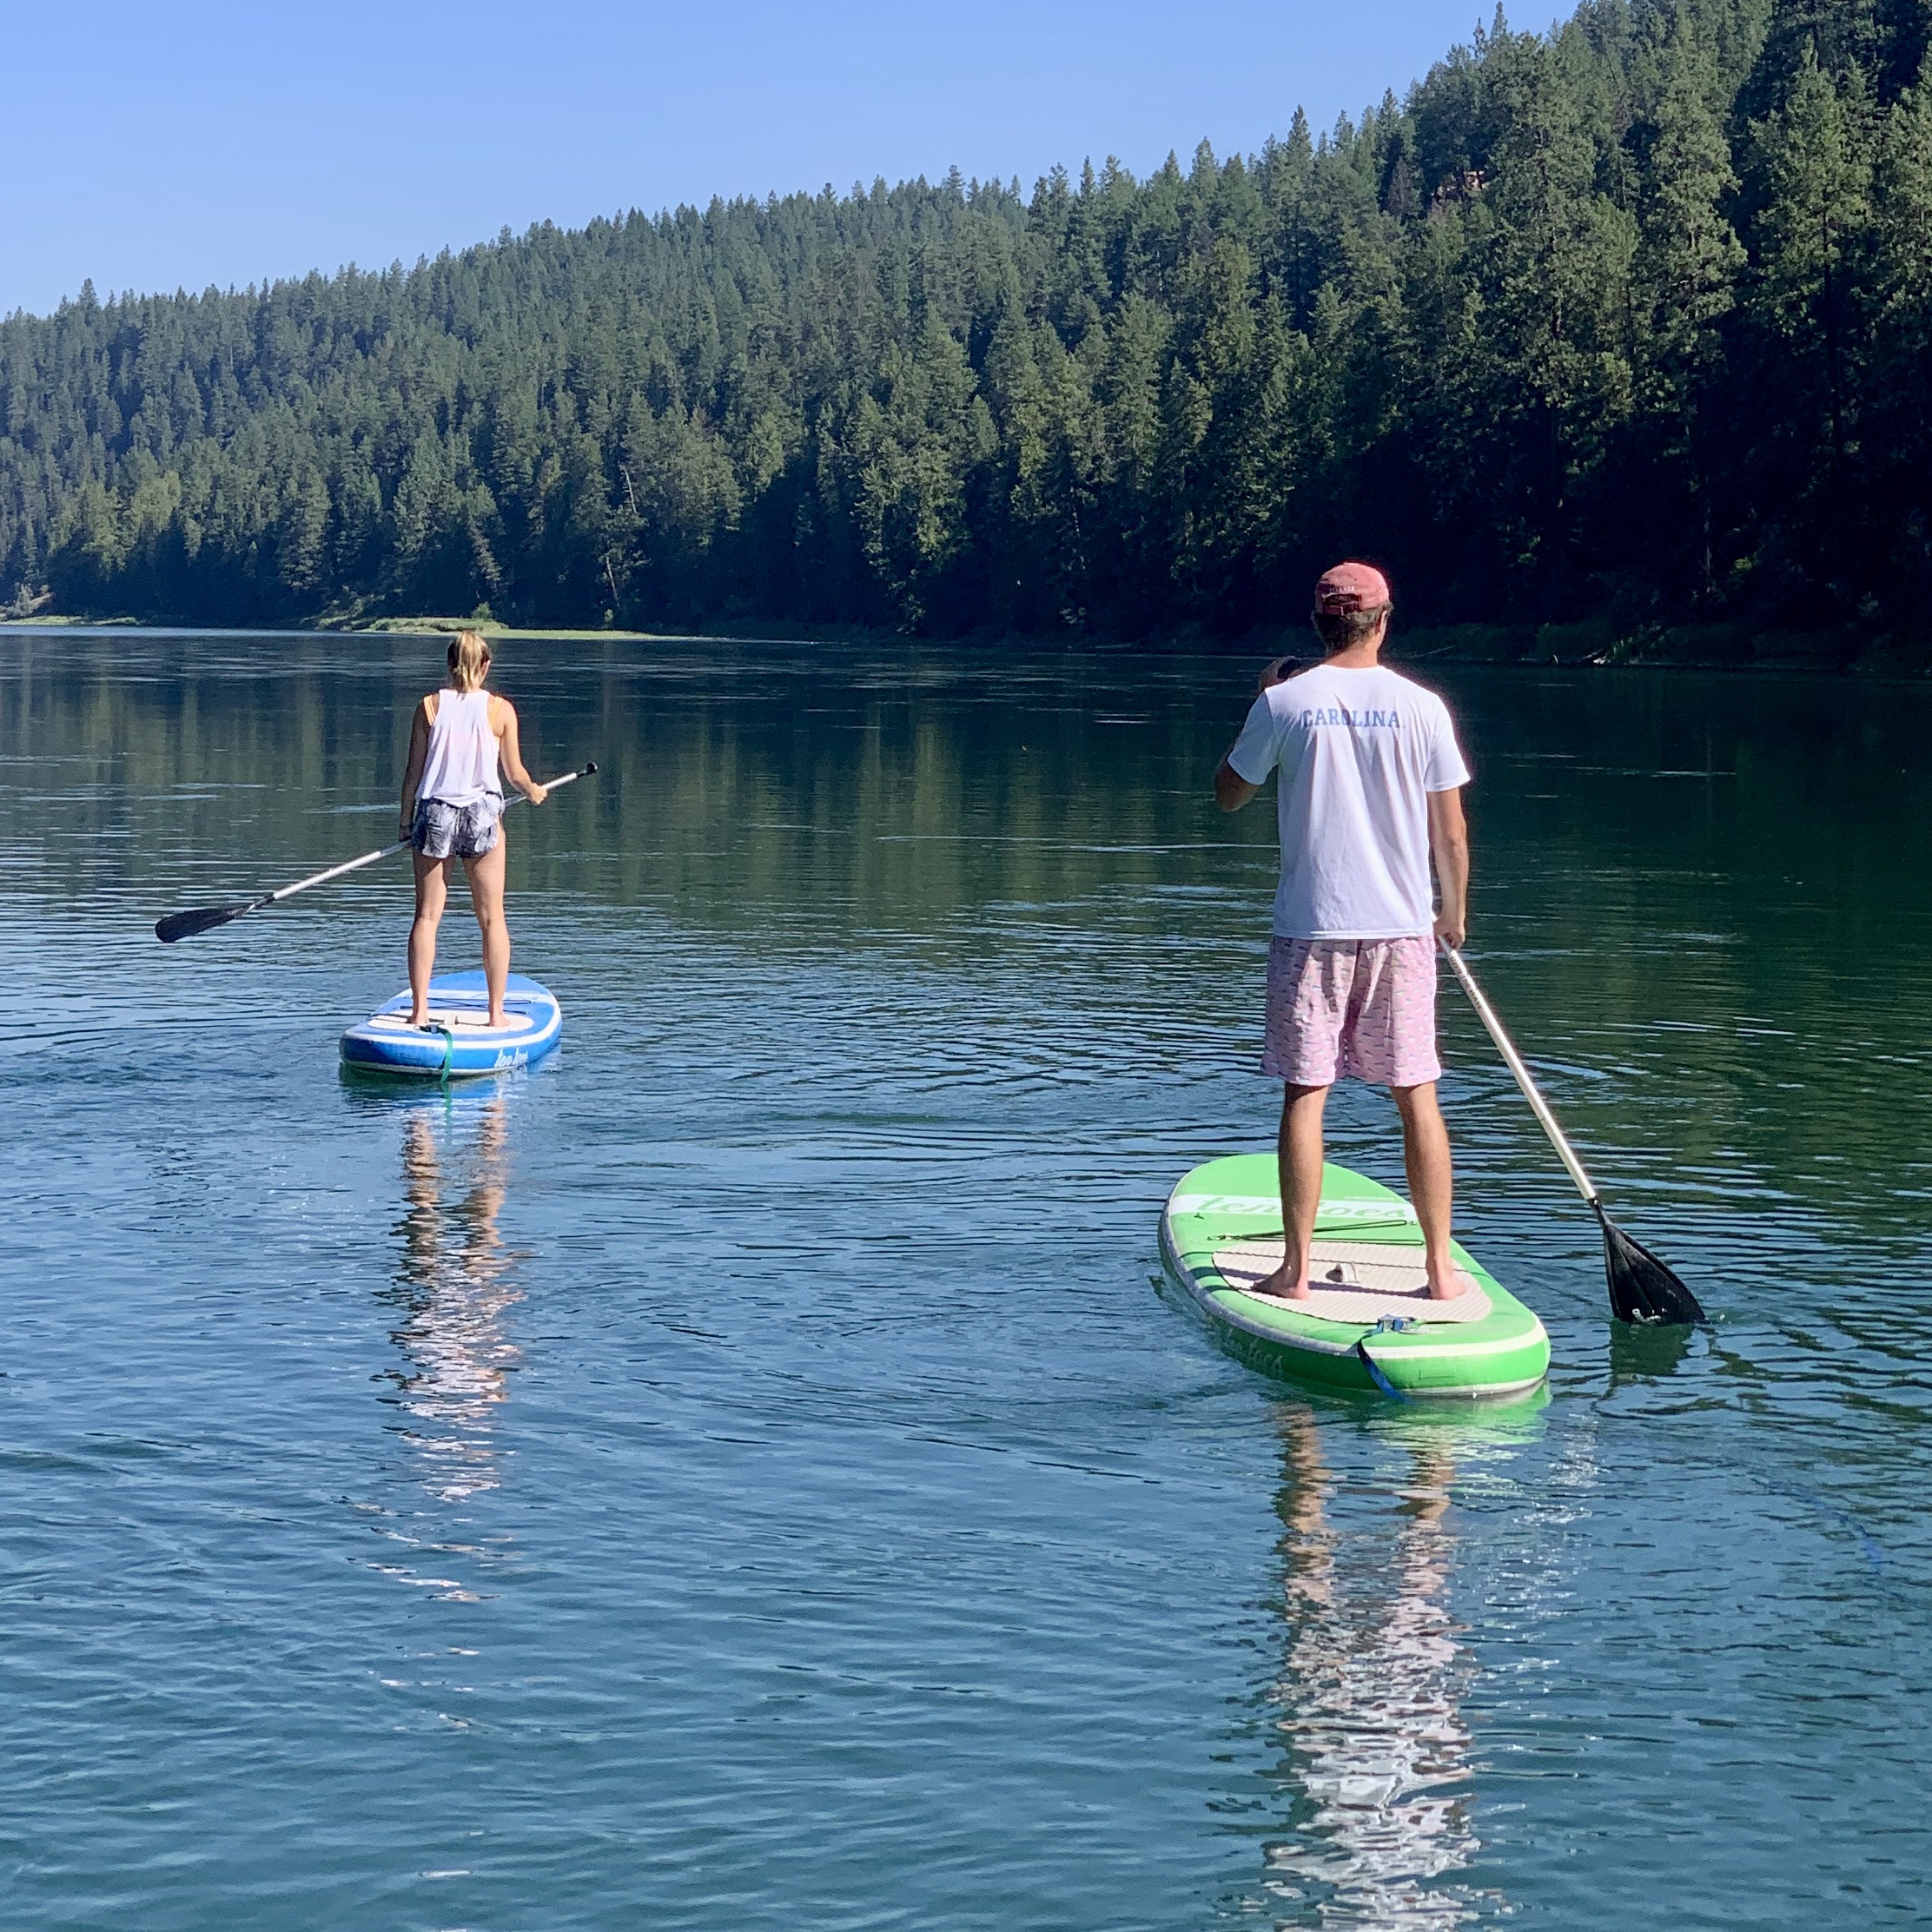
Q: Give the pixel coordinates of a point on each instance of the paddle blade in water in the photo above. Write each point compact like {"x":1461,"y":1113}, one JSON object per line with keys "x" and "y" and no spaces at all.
{"x":185,"y":925}
{"x":1643,"y":1288}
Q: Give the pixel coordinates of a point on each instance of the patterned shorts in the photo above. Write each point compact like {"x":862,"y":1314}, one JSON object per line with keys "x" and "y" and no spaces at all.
{"x":455,"y":832}
{"x":1351,"y":1008}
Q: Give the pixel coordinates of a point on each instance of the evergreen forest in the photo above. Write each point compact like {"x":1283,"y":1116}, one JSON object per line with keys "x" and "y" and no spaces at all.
{"x":1629,"y":320}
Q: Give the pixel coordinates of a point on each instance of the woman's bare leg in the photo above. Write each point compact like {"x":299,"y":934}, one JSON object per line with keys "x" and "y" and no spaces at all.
{"x":486,"y":896}
{"x":431,"y":892}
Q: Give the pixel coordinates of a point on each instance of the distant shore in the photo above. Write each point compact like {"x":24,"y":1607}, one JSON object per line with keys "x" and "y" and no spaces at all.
{"x":1591,"y":643}
{"x":1734,"y":646}
{"x":386,"y":626}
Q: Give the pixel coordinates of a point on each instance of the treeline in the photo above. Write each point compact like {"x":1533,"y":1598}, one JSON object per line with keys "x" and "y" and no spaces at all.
{"x":1634,"y":317}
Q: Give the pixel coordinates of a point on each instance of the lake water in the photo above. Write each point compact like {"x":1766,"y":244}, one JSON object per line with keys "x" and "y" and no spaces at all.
{"x":748,"y":1474}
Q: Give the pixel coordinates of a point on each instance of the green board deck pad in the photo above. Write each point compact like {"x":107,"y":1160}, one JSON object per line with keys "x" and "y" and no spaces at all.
{"x":1369,"y":1322}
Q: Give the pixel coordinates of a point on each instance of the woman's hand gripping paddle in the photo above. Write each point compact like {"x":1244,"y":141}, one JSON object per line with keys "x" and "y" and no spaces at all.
{"x":185,"y":925}
{"x":1642,"y":1288}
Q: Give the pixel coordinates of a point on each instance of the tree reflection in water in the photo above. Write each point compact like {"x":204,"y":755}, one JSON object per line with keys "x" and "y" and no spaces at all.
{"x":1370,"y":1695}
{"x":455,"y":1281}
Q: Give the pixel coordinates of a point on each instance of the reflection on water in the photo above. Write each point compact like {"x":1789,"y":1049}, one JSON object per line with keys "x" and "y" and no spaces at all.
{"x":874,"y":1548}
{"x":454,"y":1284}
{"x":1372,"y":1681}
{"x":1639,"y":1355}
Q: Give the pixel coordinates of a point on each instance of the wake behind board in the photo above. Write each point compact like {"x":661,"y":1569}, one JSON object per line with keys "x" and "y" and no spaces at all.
{"x":458,"y":1039}
{"x":1220,"y":1235}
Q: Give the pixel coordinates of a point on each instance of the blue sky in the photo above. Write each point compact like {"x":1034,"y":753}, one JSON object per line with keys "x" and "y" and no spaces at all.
{"x":153,"y":147}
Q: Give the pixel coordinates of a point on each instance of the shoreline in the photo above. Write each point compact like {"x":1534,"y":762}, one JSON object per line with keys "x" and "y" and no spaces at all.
{"x":1589,"y":645}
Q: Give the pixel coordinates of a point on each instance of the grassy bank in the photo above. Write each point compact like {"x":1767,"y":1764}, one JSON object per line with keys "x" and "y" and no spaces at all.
{"x":447,"y":626}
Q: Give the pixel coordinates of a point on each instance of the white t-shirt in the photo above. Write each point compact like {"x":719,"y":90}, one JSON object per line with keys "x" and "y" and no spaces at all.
{"x":1359,"y":752}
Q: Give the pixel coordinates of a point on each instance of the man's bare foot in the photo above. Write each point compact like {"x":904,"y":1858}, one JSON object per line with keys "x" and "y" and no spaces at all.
{"x":1285,"y":1283}
{"x":1460,"y":1282}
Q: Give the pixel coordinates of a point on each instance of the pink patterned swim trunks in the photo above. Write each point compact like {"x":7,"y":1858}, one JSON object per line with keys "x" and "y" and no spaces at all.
{"x":1351,"y":1008}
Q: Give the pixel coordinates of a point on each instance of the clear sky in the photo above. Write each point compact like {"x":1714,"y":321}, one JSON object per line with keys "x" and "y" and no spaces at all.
{"x":212,"y":141}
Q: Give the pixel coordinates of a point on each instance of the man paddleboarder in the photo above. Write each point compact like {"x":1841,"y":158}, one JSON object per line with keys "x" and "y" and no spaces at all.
{"x":1370,"y":791}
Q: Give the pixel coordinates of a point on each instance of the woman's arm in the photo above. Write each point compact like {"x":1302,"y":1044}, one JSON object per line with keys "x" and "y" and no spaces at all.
{"x":513,"y":754}
{"x":412,"y":775}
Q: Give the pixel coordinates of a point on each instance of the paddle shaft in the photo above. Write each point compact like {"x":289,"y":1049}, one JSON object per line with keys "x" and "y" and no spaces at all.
{"x":1532,"y":1092}
{"x":180,"y":924}
{"x":334,"y":872}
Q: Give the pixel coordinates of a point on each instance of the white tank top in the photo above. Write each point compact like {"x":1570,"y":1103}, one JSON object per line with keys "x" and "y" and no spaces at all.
{"x":460,"y":766}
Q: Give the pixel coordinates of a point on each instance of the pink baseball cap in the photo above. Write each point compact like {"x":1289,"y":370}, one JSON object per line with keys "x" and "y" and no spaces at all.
{"x":1350,"y":587}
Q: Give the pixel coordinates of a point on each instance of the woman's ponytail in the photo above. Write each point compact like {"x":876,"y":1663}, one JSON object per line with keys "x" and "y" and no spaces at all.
{"x":469,"y":660}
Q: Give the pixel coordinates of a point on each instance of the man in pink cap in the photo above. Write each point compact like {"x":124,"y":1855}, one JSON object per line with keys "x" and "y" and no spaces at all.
{"x":1370,"y":790}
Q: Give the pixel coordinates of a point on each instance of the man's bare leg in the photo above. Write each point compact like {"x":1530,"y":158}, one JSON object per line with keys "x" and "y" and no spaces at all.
{"x":1299,"y":1149}
{"x":1431,"y":1185}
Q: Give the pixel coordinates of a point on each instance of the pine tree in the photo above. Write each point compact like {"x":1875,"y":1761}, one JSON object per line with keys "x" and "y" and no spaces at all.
{"x":1897,"y":311}
{"x":1688,"y":263}
{"x":1813,"y":174}
{"x":1551,"y":260}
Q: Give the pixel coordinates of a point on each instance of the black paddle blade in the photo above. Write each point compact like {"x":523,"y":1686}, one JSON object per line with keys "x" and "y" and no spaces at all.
{"x":185,"y":925}
{"x":1642,"y":1288}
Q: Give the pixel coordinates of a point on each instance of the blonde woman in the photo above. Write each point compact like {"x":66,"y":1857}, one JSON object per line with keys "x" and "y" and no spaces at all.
{"x":451,"y":798}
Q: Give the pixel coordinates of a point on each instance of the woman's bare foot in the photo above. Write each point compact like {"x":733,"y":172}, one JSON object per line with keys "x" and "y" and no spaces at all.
{"x":419,"y":1019}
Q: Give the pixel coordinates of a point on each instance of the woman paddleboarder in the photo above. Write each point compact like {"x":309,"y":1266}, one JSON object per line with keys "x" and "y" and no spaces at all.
{"x":452,"y":799}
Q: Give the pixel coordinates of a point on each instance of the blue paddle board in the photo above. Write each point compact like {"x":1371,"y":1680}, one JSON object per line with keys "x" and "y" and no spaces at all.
{"x":459,"y":1038}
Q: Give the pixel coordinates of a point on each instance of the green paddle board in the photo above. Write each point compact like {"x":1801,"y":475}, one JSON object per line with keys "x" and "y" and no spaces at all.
{"x":1369,"y":1313}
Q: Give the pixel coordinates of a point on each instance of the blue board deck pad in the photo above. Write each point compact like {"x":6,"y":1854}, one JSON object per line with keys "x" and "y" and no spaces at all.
{"x":458,"y":1039}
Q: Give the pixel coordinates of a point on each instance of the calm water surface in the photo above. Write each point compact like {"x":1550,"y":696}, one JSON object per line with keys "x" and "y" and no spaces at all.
{"x":747,"y":1474}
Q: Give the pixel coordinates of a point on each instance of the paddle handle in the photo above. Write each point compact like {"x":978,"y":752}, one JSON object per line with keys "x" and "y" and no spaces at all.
{"x":389,"y":851}
{"x":1513,"y":1061}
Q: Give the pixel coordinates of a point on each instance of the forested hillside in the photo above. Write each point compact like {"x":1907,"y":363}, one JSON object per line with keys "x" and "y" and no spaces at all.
{"x":1631,"y":319}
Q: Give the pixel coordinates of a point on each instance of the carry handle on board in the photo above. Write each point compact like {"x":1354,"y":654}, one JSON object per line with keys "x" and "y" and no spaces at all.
{"x":185,"y":925}
{"x":1642,"y":1288}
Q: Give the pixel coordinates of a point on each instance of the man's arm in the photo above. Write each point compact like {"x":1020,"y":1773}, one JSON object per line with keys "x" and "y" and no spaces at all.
{"x":1449,"y":846}
{"x":1231,"y":790}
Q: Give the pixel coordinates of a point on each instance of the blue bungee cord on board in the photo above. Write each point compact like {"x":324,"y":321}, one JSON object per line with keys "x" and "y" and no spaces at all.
{"x":1387,"y":1324}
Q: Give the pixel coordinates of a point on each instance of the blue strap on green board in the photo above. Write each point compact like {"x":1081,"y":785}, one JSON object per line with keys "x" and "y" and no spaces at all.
{"x":1374,"y":1368}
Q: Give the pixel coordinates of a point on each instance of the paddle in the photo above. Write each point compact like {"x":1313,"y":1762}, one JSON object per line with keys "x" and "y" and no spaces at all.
{"x":1642,"y":1288}
{"x":185,"y":925}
